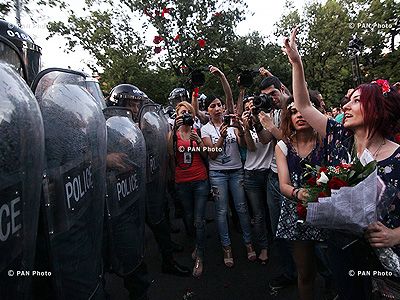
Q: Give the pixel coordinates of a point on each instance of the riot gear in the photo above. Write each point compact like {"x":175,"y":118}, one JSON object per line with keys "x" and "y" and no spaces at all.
{"x":178,"y":95}
{"x":73,"y":189}
{"x":29,"y":51}
{"x":21,"y":167}
{"x":126,"y":187}
{"x":127,"y":95}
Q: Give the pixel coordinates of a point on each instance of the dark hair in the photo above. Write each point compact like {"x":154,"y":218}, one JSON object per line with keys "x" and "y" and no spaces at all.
{"x":381,"y":113}
{"x":270,"y":80}
{"x":211,"y":98}
{"x":286,"y":118}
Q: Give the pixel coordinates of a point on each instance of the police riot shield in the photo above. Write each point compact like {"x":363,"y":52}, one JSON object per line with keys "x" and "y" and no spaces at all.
{"x":74,"y":185}
{"x":155,"y":127}
{"x":126,"y":190}
{"x":21,"y":166}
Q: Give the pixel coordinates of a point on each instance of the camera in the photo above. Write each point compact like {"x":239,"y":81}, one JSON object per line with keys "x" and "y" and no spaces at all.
{"x":187,"y":119}
{"x":197,"y":78}
{"x":227,"y":120}
{"x":246,"y":78}
{"x":263,"y":102}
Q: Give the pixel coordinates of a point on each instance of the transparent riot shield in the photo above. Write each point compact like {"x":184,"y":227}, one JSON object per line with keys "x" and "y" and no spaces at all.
{"x":154,"y":127}
{"x":21,"y":167}
{"x":74,"y":185}
{"x":126,"y":190}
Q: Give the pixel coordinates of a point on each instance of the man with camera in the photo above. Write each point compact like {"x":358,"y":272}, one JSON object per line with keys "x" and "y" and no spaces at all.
{"x":271,"y":87}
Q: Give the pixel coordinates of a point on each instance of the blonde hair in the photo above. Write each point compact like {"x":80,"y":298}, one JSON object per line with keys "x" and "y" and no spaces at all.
{"x":186,"y":105}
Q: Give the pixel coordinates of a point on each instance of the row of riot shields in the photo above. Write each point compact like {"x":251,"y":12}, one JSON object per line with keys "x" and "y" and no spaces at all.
{"x":73,"y":184}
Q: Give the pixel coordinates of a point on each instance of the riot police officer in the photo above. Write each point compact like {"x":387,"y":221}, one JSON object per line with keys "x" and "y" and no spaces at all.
{"x":21,"y":162}
{"x":154,"y":128}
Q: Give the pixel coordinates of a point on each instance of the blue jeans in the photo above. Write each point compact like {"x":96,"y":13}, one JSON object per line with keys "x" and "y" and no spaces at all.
{"x":284,"y":248}
{"x":255,"y":185}
{"x":221,"y":181}
{"x":193,"y":196}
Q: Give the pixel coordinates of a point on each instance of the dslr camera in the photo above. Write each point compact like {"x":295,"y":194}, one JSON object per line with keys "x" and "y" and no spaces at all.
{"x":187,"y":119}
{"x":262,"y":102}
{"x":246,"y":77}
{"x":228,"y":120}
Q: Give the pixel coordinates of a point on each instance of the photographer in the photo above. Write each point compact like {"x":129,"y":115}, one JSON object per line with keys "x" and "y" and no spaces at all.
{"x":226,"y":172}
{"x":272,"y":86}
{"x":256,"y":168}
{"x":191,"y":178}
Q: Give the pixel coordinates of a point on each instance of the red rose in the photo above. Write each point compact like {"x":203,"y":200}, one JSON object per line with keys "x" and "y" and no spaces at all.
{"x":312,"y":181}
{"x":323,"y":169}
{"x":202,"y":43}
{"x":301,"y":211}
{"x":323,"y":194}
{"x":177,"y":37}
{"x":157,"y":49}
{"x":157,"y":39}
{"x":336,"y":183}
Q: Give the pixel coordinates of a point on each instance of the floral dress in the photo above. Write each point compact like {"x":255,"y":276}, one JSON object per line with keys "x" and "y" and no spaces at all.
{"x":338,"y":144}
{"x":288,"y":225}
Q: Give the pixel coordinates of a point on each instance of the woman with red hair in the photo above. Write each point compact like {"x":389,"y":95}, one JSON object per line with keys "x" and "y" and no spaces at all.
{"x":370,"y":118}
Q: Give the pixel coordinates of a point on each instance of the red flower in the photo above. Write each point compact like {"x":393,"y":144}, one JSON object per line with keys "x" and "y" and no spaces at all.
{"x":217,"y":14}
{"x":157,"y":39}
{"x":301,"y":211}
{"x":157,"y":49}
{"x":345,"y":166}
{"x":323,"y":169}
{"x":177,"y":37}
{"x":323,"y":194}
{"x":384,"y":84}
{"x":202,"y":43}
{"x":336,"y":183}
{"x":165,"y":10}
{"x":312,"y":181}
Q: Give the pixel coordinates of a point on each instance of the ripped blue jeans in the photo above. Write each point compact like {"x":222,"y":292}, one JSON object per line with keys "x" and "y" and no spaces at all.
{"x":221,"y":183}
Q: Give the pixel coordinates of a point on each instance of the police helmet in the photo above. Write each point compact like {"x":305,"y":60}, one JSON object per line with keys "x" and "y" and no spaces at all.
{"x":29,"y":51}
{"x":177,"y":95}
{"x":121,"y":94}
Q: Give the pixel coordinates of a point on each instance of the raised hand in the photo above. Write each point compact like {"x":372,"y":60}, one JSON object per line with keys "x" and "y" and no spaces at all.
{"x":290,"y":47}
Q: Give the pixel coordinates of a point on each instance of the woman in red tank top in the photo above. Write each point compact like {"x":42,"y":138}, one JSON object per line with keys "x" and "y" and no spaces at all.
{"x":188,"y":154}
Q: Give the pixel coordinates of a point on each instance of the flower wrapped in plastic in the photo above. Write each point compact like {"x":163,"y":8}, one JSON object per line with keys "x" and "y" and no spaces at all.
{"x":361,"y":199}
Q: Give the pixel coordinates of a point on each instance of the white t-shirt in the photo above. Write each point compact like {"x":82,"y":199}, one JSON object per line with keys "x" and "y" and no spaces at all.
{"x":276,"y":114}
{"x":262,"y":157}
{"x":229,"y":158}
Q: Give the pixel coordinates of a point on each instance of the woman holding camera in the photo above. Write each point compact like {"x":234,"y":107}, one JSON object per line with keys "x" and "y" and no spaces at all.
{"x":223,"y":136}
{"x":191,"y":178}
{"x":370,"y":117}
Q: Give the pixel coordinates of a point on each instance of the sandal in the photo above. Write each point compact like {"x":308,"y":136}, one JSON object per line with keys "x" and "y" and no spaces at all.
{"x":251,"y":254}
{"x":228,"y":257}
{"x":198,"y":267}
{"x":263,"y":261}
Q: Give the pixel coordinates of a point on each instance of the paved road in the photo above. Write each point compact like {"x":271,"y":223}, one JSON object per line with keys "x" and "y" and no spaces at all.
{"x":245,"y":281}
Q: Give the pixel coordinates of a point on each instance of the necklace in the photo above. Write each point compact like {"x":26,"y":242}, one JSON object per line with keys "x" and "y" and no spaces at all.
{"x":375,"y":155}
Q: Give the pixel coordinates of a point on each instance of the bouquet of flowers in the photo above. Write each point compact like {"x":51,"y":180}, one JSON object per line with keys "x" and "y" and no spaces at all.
{"x":345,"y":197}
{"x":323,"y":181}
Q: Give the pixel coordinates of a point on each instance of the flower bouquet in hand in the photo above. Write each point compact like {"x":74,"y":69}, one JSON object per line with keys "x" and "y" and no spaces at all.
{"x":343,"y":197}
{"x":321,"y":182}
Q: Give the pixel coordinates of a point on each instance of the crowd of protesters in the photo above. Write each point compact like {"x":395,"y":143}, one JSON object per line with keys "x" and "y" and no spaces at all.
{"x":265,"y":178}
